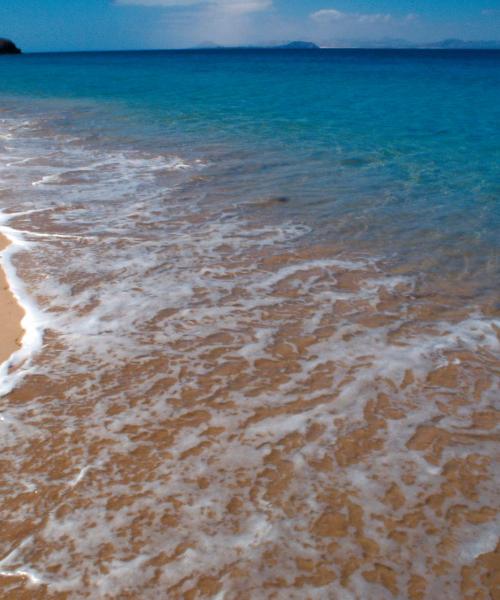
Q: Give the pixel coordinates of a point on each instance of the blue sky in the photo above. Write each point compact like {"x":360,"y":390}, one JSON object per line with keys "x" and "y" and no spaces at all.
{"x":44,"y":25}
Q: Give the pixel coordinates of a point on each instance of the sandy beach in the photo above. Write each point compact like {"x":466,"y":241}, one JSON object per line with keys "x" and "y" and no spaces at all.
{"x":11,"y":314}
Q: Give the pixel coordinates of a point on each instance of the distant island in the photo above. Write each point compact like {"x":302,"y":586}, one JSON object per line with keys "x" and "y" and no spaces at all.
{"x":298,"y":46}
{"x":346,"y":44}
{"x":8,"y":47}
{"x":454,"y":44}
{"x":402,"y":44}
{"x":295,"y":45}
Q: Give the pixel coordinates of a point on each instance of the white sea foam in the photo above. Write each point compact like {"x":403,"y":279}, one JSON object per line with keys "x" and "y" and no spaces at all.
{"x":161,"y":308}
{"x":33,"y":321}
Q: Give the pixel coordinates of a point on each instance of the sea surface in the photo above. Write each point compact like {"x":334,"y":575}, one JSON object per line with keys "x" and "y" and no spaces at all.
{"x":262,"y":350}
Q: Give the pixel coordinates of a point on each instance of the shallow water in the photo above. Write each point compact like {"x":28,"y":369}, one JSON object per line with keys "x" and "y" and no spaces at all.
{"x":262,"y":298}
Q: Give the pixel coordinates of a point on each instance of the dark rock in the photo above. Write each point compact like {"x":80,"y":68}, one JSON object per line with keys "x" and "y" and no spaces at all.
{"x":8,"y":47}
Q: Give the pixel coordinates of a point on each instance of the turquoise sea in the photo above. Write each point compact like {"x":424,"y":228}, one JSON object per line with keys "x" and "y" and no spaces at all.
{"x":262,"y":324}
{"x":391,"y":151}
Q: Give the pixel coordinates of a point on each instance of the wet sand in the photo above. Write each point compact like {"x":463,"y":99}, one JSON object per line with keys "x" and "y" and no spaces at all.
{"x":225,"y":407}
{"x":379,"y":500}
{"x":11,"y":314}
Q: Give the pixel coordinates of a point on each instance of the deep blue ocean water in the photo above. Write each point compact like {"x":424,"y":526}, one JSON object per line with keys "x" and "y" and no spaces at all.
{"x":392,"y":152}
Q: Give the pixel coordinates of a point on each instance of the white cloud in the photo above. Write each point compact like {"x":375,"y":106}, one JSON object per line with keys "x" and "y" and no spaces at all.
{"x":158,"y":2}
{"x":333,"y":22}
{"x":374,"y":18}
{"x":332,"y":27}
{"x":240,"y":7}
{"x":329,"y":15}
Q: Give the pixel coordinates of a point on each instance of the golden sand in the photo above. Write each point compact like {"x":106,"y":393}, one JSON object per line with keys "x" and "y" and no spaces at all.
{"x":218,"y":436}
{"x":11,"y":314}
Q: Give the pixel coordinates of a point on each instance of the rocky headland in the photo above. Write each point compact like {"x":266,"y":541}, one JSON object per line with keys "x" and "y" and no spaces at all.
{"x":8,"y":47}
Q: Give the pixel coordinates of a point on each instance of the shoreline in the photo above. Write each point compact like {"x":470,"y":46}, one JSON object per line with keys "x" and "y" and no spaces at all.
{"x":11,"y":314}
{"x":21,"y":323}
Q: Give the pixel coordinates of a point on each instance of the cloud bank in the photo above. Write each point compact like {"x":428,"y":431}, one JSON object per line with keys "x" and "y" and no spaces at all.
{"x":185,"y":23}
{"x":190,"y":22}
{"x":227,"y":6}
{"x":331,"y":15}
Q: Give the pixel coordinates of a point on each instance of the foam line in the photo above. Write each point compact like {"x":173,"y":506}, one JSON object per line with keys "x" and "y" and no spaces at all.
{"x":33,"y":322}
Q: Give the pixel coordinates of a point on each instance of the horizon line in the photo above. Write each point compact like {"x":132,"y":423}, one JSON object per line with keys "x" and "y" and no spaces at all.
{"x":258,"y":47}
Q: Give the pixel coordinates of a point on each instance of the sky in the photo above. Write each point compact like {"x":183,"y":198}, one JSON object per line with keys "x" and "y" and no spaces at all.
{"x":58,"y":25}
